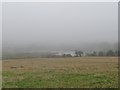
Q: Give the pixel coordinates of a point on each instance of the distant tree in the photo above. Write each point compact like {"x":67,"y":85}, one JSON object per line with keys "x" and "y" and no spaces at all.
{"x":78,"y":53}
{"x":63,"y":55}
{"x":116,"y":53}
{"x":110,"y":53}
{"x":94,"y":54}
{"x":67,"y":55}
{"x":101,"y":53}
{"x":88,"y":54}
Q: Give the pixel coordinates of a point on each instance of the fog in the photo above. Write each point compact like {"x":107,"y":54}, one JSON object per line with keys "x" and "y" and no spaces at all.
{"x":0,"y":31}
{"x":59,"y":26}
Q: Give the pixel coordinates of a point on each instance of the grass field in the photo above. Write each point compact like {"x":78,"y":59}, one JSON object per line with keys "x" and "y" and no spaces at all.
{"x":79,"y":72}
{"x":0,"y":73}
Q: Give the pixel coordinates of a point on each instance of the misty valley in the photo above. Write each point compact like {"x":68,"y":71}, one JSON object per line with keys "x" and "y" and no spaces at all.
{"x":37,"y":52}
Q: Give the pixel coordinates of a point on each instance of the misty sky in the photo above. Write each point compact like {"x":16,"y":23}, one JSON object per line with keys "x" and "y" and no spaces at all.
{"x":59,"y":24}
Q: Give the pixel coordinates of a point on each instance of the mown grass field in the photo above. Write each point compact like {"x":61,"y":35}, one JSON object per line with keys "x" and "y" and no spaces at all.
{"x":74,"y":72}
{"x":0,"y":73}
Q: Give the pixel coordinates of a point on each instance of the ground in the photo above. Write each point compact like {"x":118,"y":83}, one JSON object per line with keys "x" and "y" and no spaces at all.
{"x":73,"y":72}
{"x":0,"y":74}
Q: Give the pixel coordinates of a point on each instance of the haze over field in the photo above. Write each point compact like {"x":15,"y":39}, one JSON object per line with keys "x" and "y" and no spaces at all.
{"x":60,"y":45}
{"x":0,"y":31}
{"x":59,"y":26}
{"x":83,"y":72}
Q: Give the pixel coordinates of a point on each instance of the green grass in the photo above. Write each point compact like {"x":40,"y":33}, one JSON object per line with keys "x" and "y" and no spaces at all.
{"x":86,"y":72}
{"x":54,"y":79}
{"x":0,"y":79}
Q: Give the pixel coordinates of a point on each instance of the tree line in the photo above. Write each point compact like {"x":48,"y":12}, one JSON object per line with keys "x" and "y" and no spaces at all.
{"x":94,"y":53}
{"x":107,"y":53}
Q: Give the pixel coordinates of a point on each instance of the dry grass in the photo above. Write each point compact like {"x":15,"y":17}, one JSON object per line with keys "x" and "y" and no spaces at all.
{"x":83,"y":68}
{"x":0,"y":65}
{"x":0,"y":74}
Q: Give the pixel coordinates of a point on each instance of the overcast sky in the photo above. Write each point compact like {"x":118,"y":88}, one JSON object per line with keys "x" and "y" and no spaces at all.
{"x":59,"y":24}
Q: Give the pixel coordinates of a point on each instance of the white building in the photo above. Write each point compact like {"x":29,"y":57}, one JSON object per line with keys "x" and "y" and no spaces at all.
{"x":72,"y":53}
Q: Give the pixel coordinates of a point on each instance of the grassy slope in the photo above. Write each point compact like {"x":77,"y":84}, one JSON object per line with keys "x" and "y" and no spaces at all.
{"x":0,"y":73}
{"x":61,"y":72}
